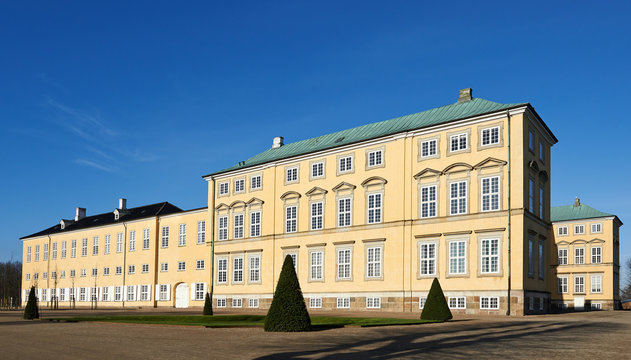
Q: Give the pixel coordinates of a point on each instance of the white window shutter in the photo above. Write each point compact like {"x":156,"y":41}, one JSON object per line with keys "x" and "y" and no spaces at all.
{"x":99,"y":295}
{"x":149,"y":290}
{"x":205,"y":290}
{"x":137,"y":296}
{"x":193,"y":291}
{"x":112,"y":293}
{"x":157,"y":291}
{"x":88,"y":293}
{"x":168,"y":292}
{"x":124,"y":295}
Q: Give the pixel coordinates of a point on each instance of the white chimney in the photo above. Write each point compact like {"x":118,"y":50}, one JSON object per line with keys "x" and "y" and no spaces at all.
{"x":122,"y":203}
{"x":79,"y":214}
{"x":278,"y":142}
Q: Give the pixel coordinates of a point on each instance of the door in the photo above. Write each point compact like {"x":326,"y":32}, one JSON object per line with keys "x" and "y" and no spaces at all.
{"x":579,"y":303}
{"x":181,"y":296}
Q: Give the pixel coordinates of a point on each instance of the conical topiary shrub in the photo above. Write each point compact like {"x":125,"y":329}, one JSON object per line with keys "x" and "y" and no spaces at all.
{"x":208,"y":305}
{"x":288,"y":311}
{"x":436,"y":307}
{"x":31,"y":311}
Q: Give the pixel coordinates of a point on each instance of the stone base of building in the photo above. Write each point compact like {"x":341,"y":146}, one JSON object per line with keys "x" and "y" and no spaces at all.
{"x":589,"y":305}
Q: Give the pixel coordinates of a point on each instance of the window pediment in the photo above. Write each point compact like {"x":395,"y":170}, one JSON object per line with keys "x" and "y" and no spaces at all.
{"x":489,"y":163}
{"x":597,"y":241}
{"x":374,"y":180}
{"x":579,"y":242}
{"x":563,"y":243}
{"x":255,"y":201}
{"x":457,"y":167}
{"x":316,"y":191}
{"x":237,"y":204}
{"x":427,"y":173}
{"x":344,"y":186}
{"x":290,"y":195}
{"x":222,"y":206}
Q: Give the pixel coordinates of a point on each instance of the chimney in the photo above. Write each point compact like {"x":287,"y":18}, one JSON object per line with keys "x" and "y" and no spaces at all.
{"x":465,"y":95}
{"x":122,"y":203}
{"x":79,"y":214}
{"x":278,"y":142}
{"x":577,"y":202}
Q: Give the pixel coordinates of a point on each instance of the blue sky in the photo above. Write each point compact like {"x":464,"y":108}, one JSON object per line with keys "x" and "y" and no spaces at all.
{"x":139,"y":99}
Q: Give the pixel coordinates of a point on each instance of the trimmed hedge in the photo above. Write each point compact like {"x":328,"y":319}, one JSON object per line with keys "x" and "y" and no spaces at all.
{"x":208,"y":305}
{"x":288,"y":311}
{"x":436,"y":307}
{"x":31,"y":311}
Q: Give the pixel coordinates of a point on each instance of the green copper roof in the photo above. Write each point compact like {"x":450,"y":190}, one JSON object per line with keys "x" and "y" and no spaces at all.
{"x":419,"y":120}
{"x":571,"y":212}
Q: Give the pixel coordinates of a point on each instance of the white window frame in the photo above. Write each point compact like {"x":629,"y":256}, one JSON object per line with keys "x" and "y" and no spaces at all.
{"x":146,"y":239}
{"x":253,"y":303}
{"x":200,"y":290}
{"x":457,"y":302}
{"x":201,"y":232}
{"x":579,"y":256}
{"x":224,"y":188}
{"x":119,"y":270}
{"x":489,"y":303}
{"x":596,"y":255}
{"x":84,"y":247}
{"x":256,"y":182}
{"x":460,"y":200}
{"x":54,"y":251}
{"x":239,"y":186}
{"x":255,"y":223}
{"x":343,"y":303}
{"x":164,"y":267}
{"x":119,"y":242}
{"x":562,"y":256}
{"x":579,"y":229}
{"x":374,"y":262}
{"x":181,"y":266}
{"x":36,"y":252}
{"x":316,"y":265}
{"x":428,"y":258}
{"x":237,"y":270}
{"x":292,"y":174}
{"x":596,"y":228}
{"x":315,"y":303}
{"x":426,"y":150}
{"x":596,"y":284}
{"x":457,"y":260}
{"x":487,"y":134}
{"x":345,"y":164}
{"x":489,"y":255}
{"x":291,"y":219}
{"x":374,"y":208}
{"x":562,"y":230}
{"x":181,"y":235}
{"x":222,"y":270}
{"x":421,"y":302}
{"x":163,"y":292}
{"x":373,"y":303}
{"x":28,"y":254}
{"x":579,"y":284}
{"x":458,"y":142}
{"x":317,"y":170}
{"x":221,"y":302}
{"x":164,"y":239}
{"x":344,"y":212}
{"x":131,"y":269}
{"x":429,"y":201}
{"x":316,"y":215}
{"x":344,"y":262}
{"x":222,"y":227}
{"x":490,"y":193}
{"x":107,"y":246}
{"x":562,"y":285}
{"x":237,"y":302}
{"x":375,"y":158}
{"x":132,"y":240}
{"x":254,"y":269}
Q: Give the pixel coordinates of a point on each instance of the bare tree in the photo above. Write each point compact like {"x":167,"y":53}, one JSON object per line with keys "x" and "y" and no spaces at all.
{"x":625,"y":289}
{"x":10,"y":284}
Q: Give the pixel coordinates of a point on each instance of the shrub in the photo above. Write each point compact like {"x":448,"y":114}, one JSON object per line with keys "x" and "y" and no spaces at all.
{"x":31,"y":311}
{"x":208,"y":305}
{"x":436,"y":307}
{"x":288,"y":311}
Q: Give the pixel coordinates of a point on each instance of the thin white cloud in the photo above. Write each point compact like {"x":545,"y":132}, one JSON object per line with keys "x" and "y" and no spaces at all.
{"x":81,"y":123}
{"x":94,"y":165}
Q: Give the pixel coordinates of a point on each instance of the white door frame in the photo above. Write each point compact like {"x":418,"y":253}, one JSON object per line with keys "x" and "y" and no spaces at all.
{"x":181,"y":295}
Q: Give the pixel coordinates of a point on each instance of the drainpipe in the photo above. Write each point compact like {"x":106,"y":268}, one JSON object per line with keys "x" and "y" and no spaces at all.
{"x":124,"y":261}
{"x":50,"y":251}
{"x":212,"y":242}
{"x":509,"y":216}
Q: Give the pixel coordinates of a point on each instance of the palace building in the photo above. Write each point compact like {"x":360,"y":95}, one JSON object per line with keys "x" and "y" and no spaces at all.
{"x":369,"y":215}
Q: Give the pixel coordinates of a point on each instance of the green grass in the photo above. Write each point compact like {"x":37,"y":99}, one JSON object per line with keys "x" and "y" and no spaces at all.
{"x":241,"y":320}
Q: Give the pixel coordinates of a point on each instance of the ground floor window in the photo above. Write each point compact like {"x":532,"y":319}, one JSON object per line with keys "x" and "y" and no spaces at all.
{"x":131,"y":293}
{"x":373,"y":303}
{"x":458,"y":302}
{"x":237,"y":302}
{"x":144,"y":292}
{"x":199,"y":291}
{"x":489,"y":303}
{"x":163,"y":292}
{"x":253,"y":303}
{"x":597,"y":306}
{"x":315,"y":303}
{"x":421,"y":302}
{"x":343,"y":303}
{"x":117,"y":293}
{"x":221,"y":303}
{"x":105,"y":294}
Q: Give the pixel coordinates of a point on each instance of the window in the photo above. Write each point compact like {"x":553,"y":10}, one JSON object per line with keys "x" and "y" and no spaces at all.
{"x":294,"y":260}
{"x":164,"y":267}
{"x":200,"y":265}
{"x":291,"y":217}
{"x":28,"y":277}
{"x":315,"y":303}
{"x":490,"y":256}
{"x":82,"y":294}
{"x":119,"y":242}
{"x":562,"y":285}
{"x":343,"y":303}
{"x":222,"y":271}
{"x":429,"y":148}
{"x":428,"y":259}
{"x":72,"y":273}
{"x":53,"y":275}
{"x":375,"y":158}
{"x":84,"y":247}
{"x":579,"y":229}
{"x":165,"y":237}
{"x":531,"y":195}
{"x":345,"y":164}
{"x":54,"y":251}
{"x":164,"y":295}
{"x":132,"y":240}
{"x":579,"y":256}
{"x":224,"y":188}
{"x":106,"y":244}
{"x":182,"y":235}
{"x":373,"y":303}
{"x":491,"y":136}
{"x":253,"y":303}
{"x":531,"y":256}
{"x":45,"y":275}
{"x":490,"y":303}
{"x":119,"y":270}
{"x":458,"y":198}
{"x":145,"y":268}
{"x":428,"y":201}
{"x":562,"y":256}
{"x":458,"y":142}
{"x":36,"y":252}
{"x":457,"y":257}
{"x":317,"y":216}
{"x":28,"y":254}
{"x":73,"y":249}
{"x":255,"y":269}
{"x":201,"y":232}
{"x":145,"y":239}
{"x":542,"y":152}
{"x":597,"y":306}
{"x":374,"y":208}
{"x":459,"y":302}
{"x":62,"y":274}
{"x":106,"y":271}
{"x":131,"y":269}
{"x":344,"y":264}
{"x":317,"y":170}
{"x":562,"y":230}
{"x":579,"y":284}
{"x":105,"y":294}
{"x":542,"y":262}
{"x":255,"y":223}
{"x":421,"y":302}
{"x":238,"y":226}
{"x":131,"y":293}
{"x":531,"y":141}
{"x":237,"y":270}
{"x":35,"y":276}
{"x":181,"y":266}
{"x":255,"y":182}
{"x":542,"y":203}
{"x":199,"y":291}
{"x":597,"y":284}
{"x":597,"y":228}
{"x":117,"y":293}
{"x":95,"y":271}
{"x":344,"y":212}
{"x":239,"y":185}
{"x":491,"y":193}
{"x":63,"y":250}
{"x":83,"y":273}
{"x":373,"y":262}
{"x":45,"y":252}
{"x":221,"y":303}
{"x":597,"y":255}
{"x":62,"y":294}
{"x":317,"y":263}
{"x":223,"y":227}
{"x":291,"y":174}
{"x":237,"y":302}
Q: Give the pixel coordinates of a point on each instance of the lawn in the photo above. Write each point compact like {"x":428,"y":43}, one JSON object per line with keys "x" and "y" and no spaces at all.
{"x":242,"y":320}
